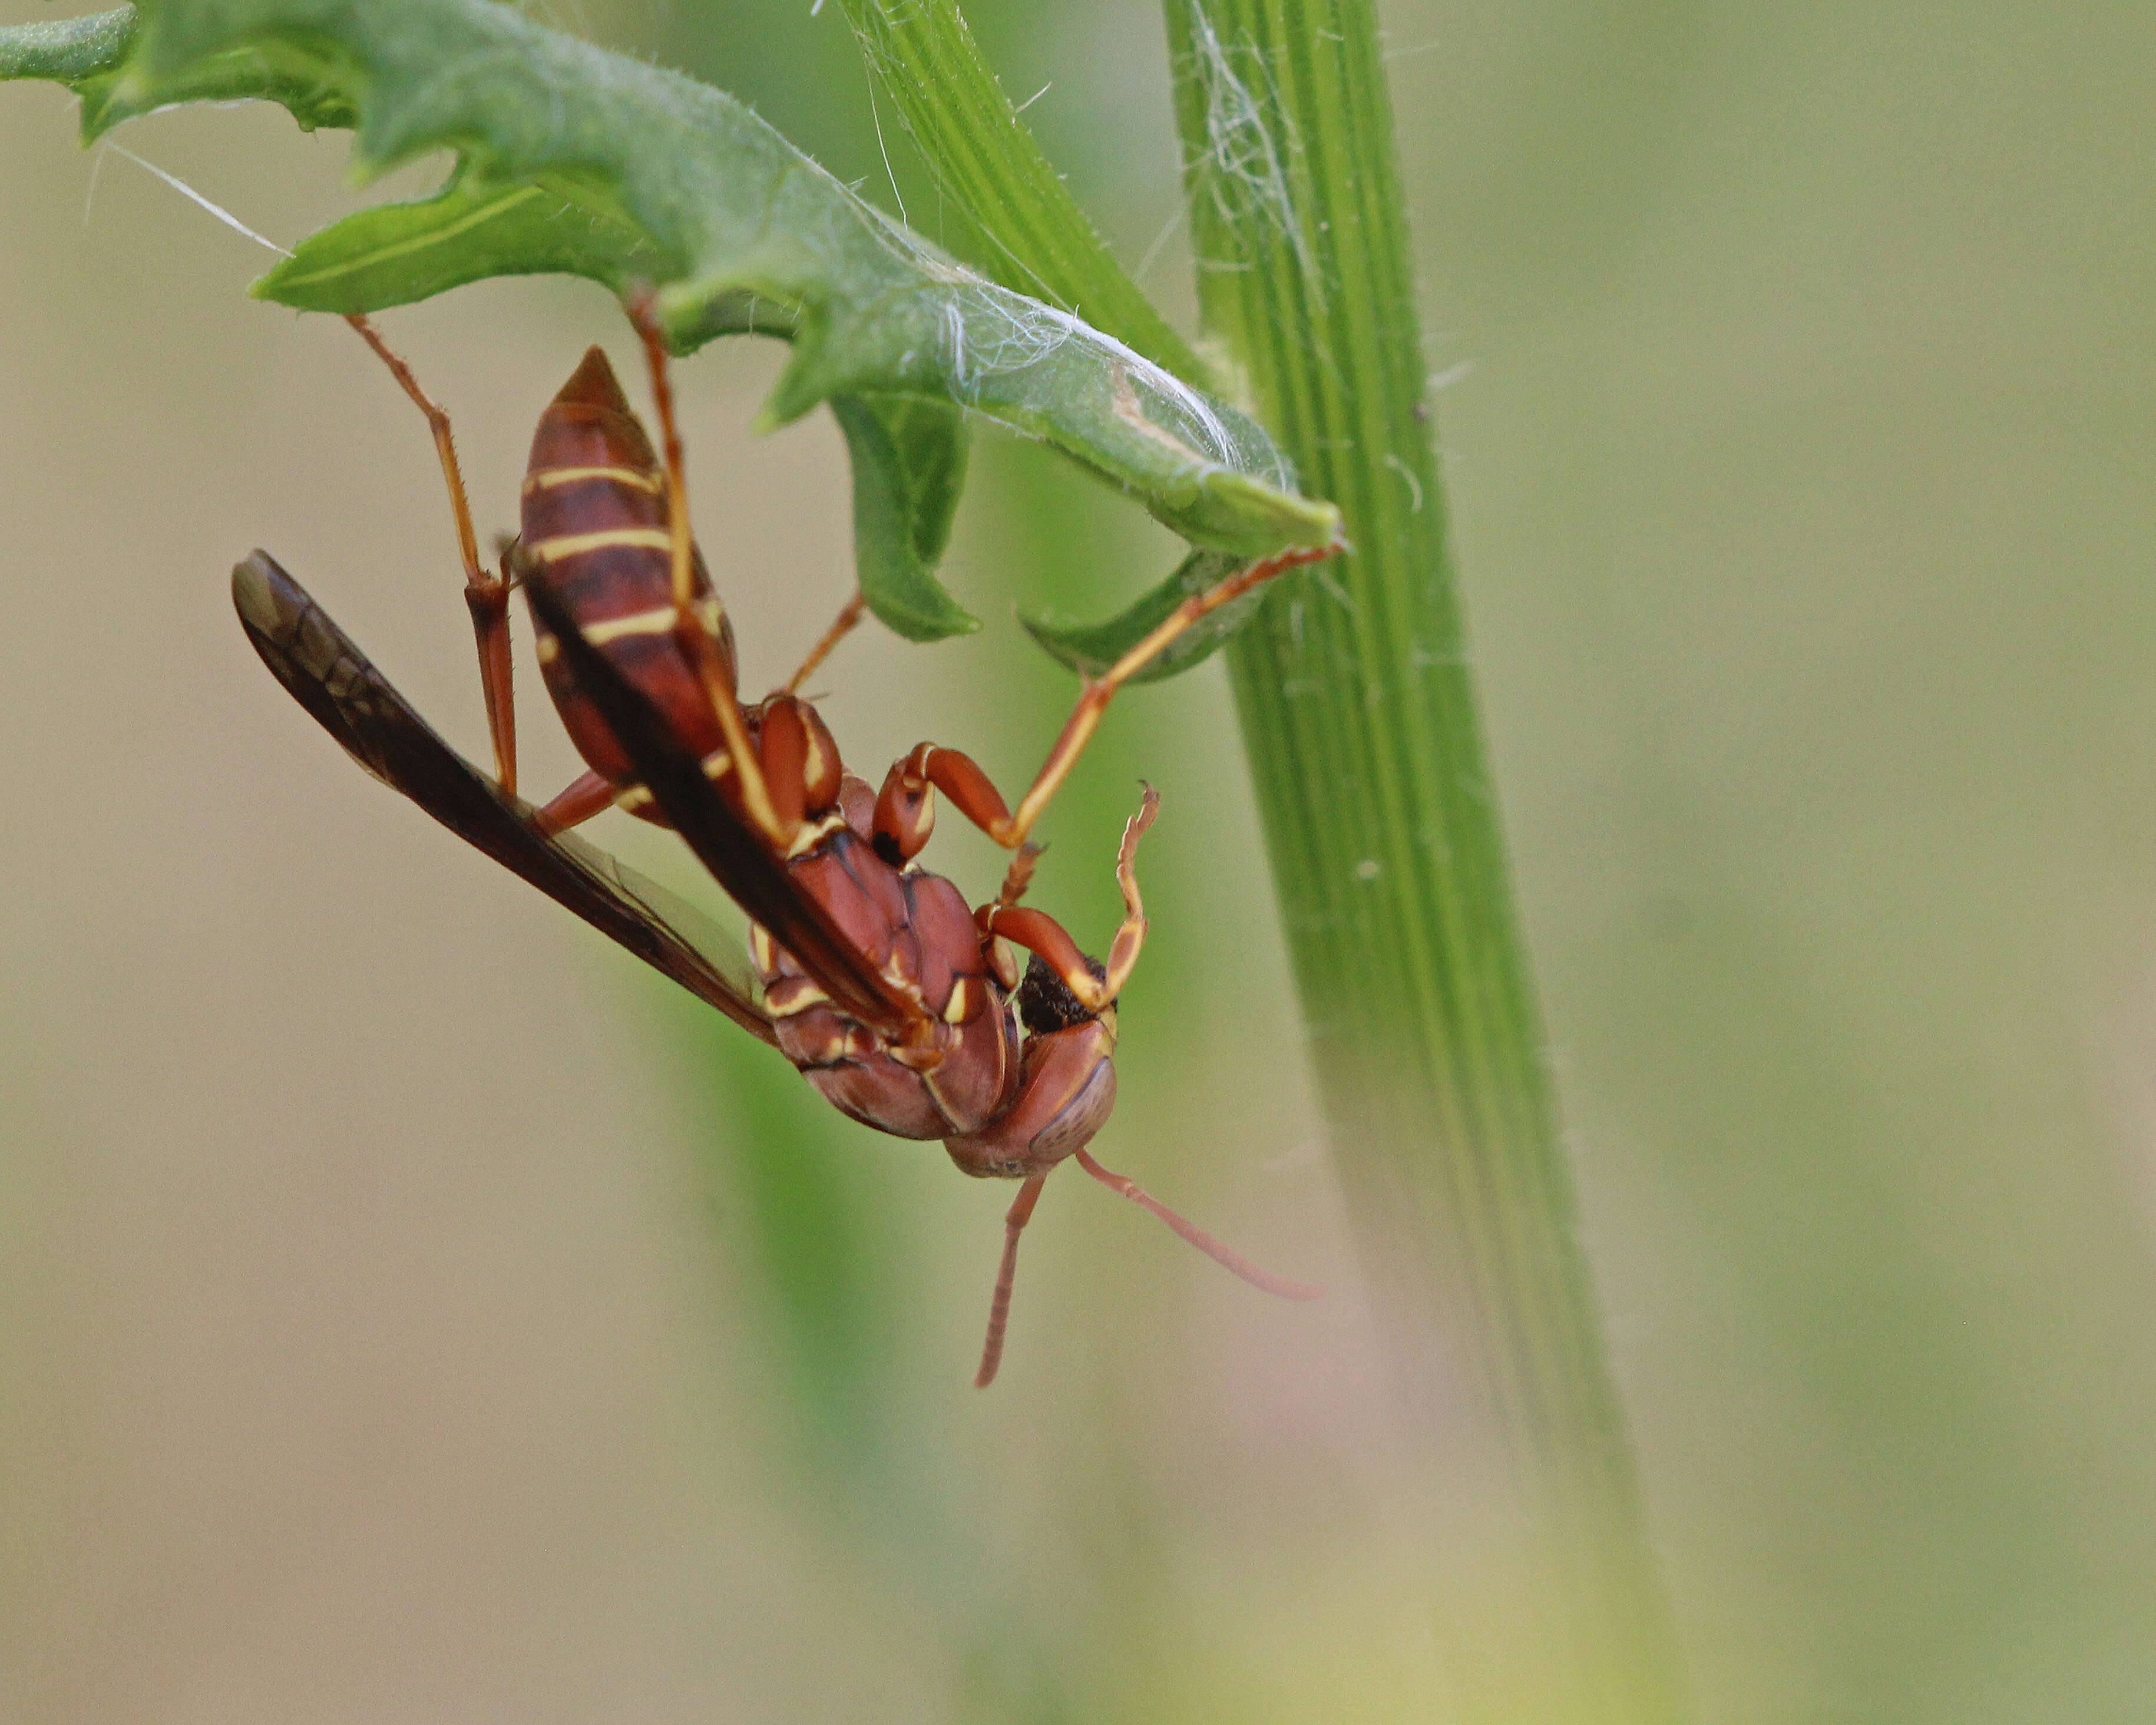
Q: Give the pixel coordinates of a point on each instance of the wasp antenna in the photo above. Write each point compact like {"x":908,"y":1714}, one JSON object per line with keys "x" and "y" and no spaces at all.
{"x":1225,"y":1256}
{"x":1014,"y":1221}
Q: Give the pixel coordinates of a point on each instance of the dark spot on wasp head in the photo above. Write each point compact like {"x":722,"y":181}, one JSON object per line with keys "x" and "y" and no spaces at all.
{"x":886,"y":847}
{"x":1046,"y":1004}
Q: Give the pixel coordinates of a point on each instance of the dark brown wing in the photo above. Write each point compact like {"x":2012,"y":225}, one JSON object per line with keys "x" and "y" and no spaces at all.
{"x":725,"y":843}
{"x":333,"y":680}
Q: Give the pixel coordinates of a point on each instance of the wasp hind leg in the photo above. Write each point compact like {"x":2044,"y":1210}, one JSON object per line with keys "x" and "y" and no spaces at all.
{"x":486,"y":596}
{"x":697,"y":640}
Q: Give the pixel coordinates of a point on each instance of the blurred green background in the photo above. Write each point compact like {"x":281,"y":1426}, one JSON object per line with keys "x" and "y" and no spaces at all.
{"x":408,"y":1310}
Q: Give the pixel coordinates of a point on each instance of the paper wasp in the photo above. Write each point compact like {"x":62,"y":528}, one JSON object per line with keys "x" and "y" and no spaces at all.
{"x":900,"y":1003}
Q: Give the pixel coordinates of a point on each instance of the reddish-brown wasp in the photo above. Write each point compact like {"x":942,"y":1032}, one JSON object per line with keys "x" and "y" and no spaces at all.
{"x":900,"y":1003}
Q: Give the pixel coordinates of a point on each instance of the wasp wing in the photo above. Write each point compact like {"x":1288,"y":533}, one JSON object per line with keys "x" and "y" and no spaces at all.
{"x":724,"y":841}
{"x":327,"y":675}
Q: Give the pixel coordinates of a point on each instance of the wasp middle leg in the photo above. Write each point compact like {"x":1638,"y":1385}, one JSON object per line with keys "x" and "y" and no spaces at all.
{"x":906,"y":809}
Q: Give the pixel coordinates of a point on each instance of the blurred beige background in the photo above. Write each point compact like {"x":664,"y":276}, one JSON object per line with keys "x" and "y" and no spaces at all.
{"x":391,"y":1311}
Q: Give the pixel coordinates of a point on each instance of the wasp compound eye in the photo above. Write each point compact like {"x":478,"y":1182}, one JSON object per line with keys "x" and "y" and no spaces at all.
{"x":1046,"y":1004}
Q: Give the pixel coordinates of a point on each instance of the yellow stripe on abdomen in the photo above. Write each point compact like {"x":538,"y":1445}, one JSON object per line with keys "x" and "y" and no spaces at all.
{"x":569,"y":545}
{"x":548,"y":478}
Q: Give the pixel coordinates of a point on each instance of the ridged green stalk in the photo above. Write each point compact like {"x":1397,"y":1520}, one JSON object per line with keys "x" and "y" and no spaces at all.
{"x":1359,"y":716}
{"x":1027,"y":230}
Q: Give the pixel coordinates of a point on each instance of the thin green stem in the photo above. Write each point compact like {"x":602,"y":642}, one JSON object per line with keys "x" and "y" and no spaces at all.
{"x":1360,"y":721}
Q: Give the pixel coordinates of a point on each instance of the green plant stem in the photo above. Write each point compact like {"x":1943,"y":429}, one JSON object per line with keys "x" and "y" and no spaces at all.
{"x":1029,"y":234}
{"x":1359,"y":718}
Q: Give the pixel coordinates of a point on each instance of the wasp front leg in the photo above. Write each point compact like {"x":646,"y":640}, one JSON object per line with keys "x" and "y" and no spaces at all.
{"x":1094,"y":986}
{"x":1066,"y":1077}
{"x":1067,"y":1085}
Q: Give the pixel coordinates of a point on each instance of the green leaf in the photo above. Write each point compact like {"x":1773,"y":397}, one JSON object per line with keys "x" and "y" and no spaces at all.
{"x":909,"y":460}
{"x":1027,"y":231}
{"x":571,"y":159}
{"x":473,"y":229}
{"x":78,"y":51}
{"x":1091,"y":648}
{"x":88,"y":55}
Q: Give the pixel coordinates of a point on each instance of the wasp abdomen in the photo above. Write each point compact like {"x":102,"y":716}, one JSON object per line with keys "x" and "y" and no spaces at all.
{"x":594,"y":529}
